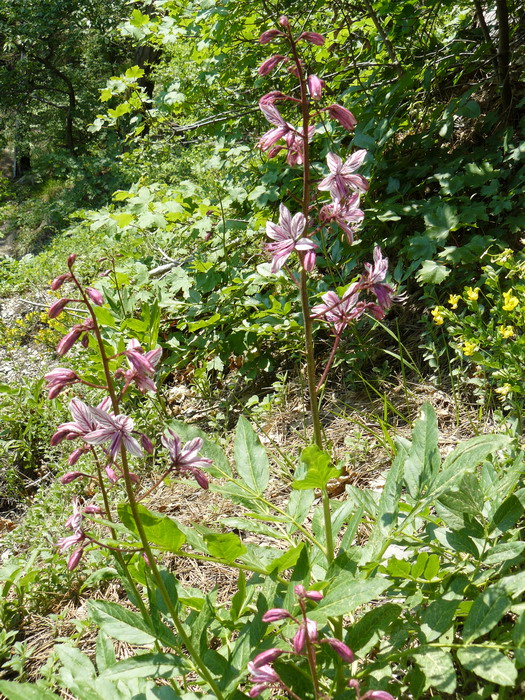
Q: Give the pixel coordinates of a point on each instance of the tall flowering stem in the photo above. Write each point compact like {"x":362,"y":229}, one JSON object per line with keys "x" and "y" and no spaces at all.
{"x":305,"y":302}
{"x":128,"y":481}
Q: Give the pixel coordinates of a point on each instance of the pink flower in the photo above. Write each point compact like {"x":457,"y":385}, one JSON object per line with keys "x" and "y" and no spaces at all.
{"x":142,"y":366}
{"x":287,"y":238}
{"x":270,"y":64}
{"x":187,"y":459}
{"x":57,"y":307}
{"x":262,"y":674}
{"x":83,"y":423}
{"x":273,"y":115}
{"x":269,"y":35}
{"x":377,"y":695}
{"x":343,"y":116}
{"x":67,"y":542}
{"x":58,"y":379}
{"x":113,"y":429}
{"x":95,"y":296}
{"x":339,"y":311}
{"x":315,"y":87}
{"x":373,"y":279}
{"x":275,"y":614}
{"x":312,"y":37}
{"x":343,"y":179}
{"x":344,"y":212}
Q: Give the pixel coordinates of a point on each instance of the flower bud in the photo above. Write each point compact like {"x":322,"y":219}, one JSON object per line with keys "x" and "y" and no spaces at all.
{"x":68,"y":341}
{"x":312,"y":37}
{"x":71,"y":260}
{"x":113,"y":478}
{"x":59,"y":281}
{"x":146,"y":443}
{"x":267,"y":657}
{"x":75,"y":456}
{"x":275,"y":614}
{"x":343,"y":116}
{"x":57,"y":307}
{"x":75,"y":558}
{"x":299,"y":640}
{"x":85,"y":340}
{"x":299,"y":590}
{"x":269,"y":35}
{"x":270,"y":64}
{"x":314,"y":595}
{"x":256,"y":690}
{"x":93,"y":510}
{"x":284,"y":21}
{"x":95,"y":296}
{"x":315,"y":87}
{"x":341,"y":649}
{"x":70,"y":476}
{"x":134,"y":478}
{"x":377,"y":695}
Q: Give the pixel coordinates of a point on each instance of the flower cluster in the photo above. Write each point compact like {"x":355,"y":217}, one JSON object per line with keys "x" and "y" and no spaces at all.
{"x":305,"y":643}
{"x":103,"y":426}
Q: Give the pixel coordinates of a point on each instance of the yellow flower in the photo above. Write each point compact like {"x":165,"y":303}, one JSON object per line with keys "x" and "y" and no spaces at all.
{"x":437,"y":315}
{"x":472,"y":294}
{"x":453,"y":300}
{"x":503,"y":390}
{"x":506,"y":331}
{"x":510,"y":301}
{"x":469,"y":348}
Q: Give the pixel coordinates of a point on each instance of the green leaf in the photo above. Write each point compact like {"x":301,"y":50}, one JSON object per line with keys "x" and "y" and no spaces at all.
{"x":25,"y":691}
{"x":119,"y":623}
{"x":286,"y":560}
{"x":160,"y":529}
{"x":74,"y":658}
{"x":438,"y":617}
{"x":318,"y":469}
{"x":346,"y":594}
{"x":423,"y":460}
{"x":437,"y":667}
{"x":154,"y":665}
{"x":432,"y":272}
{"x":105,"y":652}
{"x":251,"y":459}
{"x":485,"y":613}
{"x":466,"y":498}
{"x":466,"y":457}
{"x":503,"y":552}
{"x":440,"y":221}
{"x":123,"y":219}
{"x":489,"y":664}
{"x":508,"y":514}
{"x":226,"y":546}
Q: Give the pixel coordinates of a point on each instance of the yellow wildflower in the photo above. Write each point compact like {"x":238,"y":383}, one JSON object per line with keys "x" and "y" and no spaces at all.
{"x":503,"y":390}
{"x":469,"y":348}
{"x":437,"y":315}
{"x":506,"y":331}
{"x":510,"y":301}
{"x":453,"y":300}
{"x":472,"y":293}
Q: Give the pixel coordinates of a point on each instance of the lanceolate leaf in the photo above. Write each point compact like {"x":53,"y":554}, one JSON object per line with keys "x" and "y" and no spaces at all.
{"x":25,"y":691}
{"x":423,"y":460}
{"x":250,"y":457}
{"x":489,"y":664}
{"x":485,"y":613}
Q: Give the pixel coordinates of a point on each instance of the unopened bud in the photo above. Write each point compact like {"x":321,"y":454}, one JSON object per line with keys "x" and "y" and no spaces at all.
{"x":146,"y":443}
{"x":275,"y":614}
{"x":312,"y":37}
{"x":269,"y":35}
{"x":93,"y":510}
{"x":71,"y":260}
{"x":70,"y":476}
{"x":95,"y":296}
{"x":284,"y":21}
{"x":111,"y":474}
{"x":270,"y":63}
{"x":75,"y":558}
{"x":59,"y":281}
{"x":267,"y":657}
{"x":341,"y":649}
{"x":57,"y":307}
